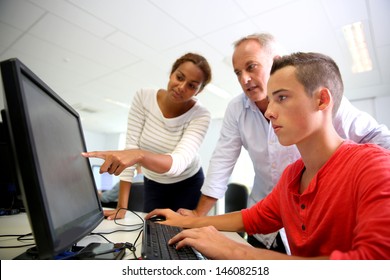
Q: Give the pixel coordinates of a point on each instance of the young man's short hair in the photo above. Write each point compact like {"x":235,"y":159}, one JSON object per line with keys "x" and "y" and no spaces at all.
{"x":314,"y":70}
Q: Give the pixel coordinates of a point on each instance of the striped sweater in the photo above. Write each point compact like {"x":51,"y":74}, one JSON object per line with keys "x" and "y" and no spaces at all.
{"x":180,"y":137}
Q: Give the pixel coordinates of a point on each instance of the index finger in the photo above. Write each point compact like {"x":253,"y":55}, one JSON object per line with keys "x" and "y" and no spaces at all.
{"x":177,"y":238}
{"x":155,"y":212}
{"x":94,"y":154}
{"x":186,"y":237}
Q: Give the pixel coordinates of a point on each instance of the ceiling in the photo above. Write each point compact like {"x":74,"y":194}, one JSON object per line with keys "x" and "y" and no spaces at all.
{"x":96,"y":53}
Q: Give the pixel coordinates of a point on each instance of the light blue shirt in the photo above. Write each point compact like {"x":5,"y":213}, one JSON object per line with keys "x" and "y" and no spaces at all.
{"x":245,"y":126}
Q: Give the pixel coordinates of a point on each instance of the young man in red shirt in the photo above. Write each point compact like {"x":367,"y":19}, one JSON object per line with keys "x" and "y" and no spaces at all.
{"x":334,"y":202}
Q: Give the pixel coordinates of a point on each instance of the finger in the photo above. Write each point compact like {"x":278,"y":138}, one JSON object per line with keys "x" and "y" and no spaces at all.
{"x":182,"y":243}
{"x":105,"y":167}
{"x":115,"y":215}
{"x":94,"y":154}
{"x":119,"y":170}
{"x":108,"y":214}
{"x":155,"y":212}
{"x":182,"y":235}
{"x":113,"y":167}
{"x":184,"y":238}
{"x":176,"y":239}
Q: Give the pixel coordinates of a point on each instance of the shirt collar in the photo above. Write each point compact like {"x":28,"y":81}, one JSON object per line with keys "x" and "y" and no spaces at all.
{"x":249,"y":104}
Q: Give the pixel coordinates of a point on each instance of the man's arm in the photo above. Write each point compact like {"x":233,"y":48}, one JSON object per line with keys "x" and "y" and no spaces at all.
{"x":360,"y":127}
{"x":222,"y":162}
{"x":213,"y":244}
{"x":205,"y":237}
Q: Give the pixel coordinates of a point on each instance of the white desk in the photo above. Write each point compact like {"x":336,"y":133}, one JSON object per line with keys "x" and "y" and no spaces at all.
{"x":18,"y":225}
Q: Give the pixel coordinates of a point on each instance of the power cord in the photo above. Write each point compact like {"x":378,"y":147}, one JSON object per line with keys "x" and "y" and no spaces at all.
{"x":20,"y":237}
{"x":128,"y":245}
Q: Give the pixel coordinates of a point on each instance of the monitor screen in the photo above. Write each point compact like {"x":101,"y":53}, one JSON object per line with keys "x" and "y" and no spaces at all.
{"x":57,"y":183}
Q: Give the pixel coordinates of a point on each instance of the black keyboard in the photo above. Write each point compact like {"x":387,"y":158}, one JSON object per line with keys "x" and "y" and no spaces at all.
{"x":155,"y":244}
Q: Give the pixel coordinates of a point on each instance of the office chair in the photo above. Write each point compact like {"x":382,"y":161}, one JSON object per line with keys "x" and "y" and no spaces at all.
{"x":236,"y":198}
{"x":136,"y":199}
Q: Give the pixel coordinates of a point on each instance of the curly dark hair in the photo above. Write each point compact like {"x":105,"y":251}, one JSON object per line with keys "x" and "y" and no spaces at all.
{"x":199,"y":61}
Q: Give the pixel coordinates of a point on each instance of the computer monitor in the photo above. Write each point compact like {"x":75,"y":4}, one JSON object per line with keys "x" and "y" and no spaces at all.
{"x":56,"y":182}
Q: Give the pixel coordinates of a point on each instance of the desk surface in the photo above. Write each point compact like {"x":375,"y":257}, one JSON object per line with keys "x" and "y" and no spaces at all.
{"x":124,"y":230}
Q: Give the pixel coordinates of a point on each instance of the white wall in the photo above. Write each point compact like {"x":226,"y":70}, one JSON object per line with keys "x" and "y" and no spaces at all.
{"x":208,"y":145}
{"x":100,"y":142}
{"x":378,"y":107}
{"x":382,"y":110}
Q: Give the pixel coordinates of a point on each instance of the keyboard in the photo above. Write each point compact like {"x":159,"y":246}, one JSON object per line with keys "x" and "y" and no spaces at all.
{"x":155,"y":244}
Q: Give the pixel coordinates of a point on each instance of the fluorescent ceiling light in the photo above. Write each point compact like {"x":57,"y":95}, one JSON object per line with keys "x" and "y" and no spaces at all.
{"x":218,"y":91}
{"x":357,"y":45}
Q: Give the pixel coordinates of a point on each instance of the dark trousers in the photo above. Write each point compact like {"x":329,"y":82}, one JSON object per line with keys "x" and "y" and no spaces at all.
{"x":183,"y":194}
{"x":277,"y":245}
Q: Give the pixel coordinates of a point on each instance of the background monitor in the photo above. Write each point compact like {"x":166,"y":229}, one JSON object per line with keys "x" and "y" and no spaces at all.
{"x":56,"y":182}
{"x":104,"y":181}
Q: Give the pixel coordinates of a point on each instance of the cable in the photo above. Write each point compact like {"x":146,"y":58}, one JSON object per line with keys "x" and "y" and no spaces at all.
{"x":135,"y":242}
{"x":20,"y":237}
{"x":120,"y":224}
{"x":16,"y":246}
{"x":128,"y":245}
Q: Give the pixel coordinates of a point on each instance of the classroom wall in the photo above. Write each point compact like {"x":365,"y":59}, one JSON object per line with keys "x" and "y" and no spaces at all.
{"x":100,"y":142}
{"x":378,"y":107}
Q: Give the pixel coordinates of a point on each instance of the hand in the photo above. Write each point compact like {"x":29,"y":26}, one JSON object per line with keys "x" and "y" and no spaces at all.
{"x":208,"y":241}
{"x":171,"y":218}
{"x":115,"y":161}
{"x":112,"y":214}
{"x":187,"y":212}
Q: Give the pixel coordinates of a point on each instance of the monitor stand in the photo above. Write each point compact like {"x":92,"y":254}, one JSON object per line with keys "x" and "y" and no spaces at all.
{"x":93,"y":251}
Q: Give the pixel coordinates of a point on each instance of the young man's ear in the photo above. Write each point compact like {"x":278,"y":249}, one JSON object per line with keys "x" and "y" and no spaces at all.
{"x":325,"y":99}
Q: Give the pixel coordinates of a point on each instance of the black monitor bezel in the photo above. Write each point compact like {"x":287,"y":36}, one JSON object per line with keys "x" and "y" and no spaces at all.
{"x":28,"y":175}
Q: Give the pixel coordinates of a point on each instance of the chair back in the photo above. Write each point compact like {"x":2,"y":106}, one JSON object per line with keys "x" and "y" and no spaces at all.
{"x":236,"y":197}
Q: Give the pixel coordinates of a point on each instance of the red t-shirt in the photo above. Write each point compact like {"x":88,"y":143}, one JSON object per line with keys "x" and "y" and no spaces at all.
{"x":344,"y":213}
